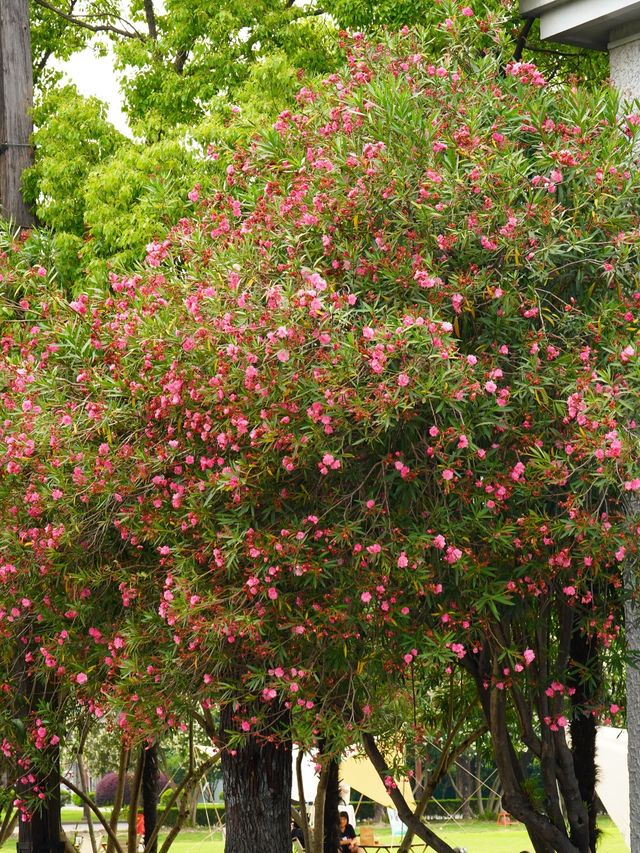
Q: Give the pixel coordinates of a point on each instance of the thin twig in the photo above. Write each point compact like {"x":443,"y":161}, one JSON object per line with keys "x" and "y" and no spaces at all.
{"x":94,"y":28}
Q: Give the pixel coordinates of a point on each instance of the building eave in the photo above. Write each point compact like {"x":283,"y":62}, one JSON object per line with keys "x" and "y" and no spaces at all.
{"x":585,"y":23}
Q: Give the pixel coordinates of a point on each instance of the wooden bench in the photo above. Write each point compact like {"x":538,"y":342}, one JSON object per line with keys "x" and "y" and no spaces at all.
{"x":368,"y":841}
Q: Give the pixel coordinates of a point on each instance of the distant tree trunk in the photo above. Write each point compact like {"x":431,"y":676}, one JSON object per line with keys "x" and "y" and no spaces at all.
{"x":478,"y":784}
{"x":16,"y":101}
{"x":464,"y":785}
{"x":257,"y":786}
{"x":331,"y":808}
{"x":150,"y":778}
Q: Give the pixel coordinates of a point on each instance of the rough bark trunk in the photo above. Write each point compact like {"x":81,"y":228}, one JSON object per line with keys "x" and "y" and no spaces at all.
{"x":150,"y":798}
{"x":43,"y":833}
{"x":257,"y":786}
{"x":584,"y":654}
{"x":331,"y":819}
{"x":16,"y":102}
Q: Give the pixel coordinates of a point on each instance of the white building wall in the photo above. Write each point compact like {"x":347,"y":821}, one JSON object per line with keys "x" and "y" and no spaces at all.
{"x":624,"y":58}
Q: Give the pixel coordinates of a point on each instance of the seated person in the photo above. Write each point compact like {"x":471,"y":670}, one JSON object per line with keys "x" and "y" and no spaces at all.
{"x":348,"y":838}
{"x":297,"y":833}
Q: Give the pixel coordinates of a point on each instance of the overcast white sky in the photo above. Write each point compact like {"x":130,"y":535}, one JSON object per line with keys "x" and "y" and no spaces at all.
{"x":94,"y":75}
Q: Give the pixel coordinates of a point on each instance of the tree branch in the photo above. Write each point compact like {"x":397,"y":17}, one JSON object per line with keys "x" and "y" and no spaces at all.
{"x":88,"y":802}
{"x":189,"y":781}
{"x":150,"y":15}
{"x":94,"y":28}
{"x":522,"y":40}
{"x":401,"y":806}
{"x":180,"y":61}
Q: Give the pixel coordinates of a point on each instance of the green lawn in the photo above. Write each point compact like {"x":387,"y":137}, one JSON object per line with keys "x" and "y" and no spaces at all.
{"x":477,"y":837}
{"x":481,"y":837}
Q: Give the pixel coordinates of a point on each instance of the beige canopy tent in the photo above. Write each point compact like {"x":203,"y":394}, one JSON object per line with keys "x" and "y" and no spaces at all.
{"x":356,"y":771}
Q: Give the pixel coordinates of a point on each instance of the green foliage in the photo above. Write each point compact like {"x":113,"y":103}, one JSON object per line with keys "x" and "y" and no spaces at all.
{"x":136,"y":196}
{"x":179,"y":84}
{"x":72,"y":137}
{"x":202,"y":51}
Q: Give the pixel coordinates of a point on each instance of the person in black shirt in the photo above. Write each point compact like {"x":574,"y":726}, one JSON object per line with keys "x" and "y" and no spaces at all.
{"x":297,"y":833}
{"x":348,"y":836}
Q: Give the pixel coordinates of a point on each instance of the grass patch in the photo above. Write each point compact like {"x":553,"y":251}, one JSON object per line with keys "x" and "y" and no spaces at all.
{"x":476,"y":836}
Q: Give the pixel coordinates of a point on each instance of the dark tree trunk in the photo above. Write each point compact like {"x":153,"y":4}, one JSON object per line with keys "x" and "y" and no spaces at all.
{"x":464,"y":785}
{"x":150,"y":796}
{"x":331,"y":808}
{"x":43,"y":833}
{"x":257,"y":786}
{"x":584,"y":669}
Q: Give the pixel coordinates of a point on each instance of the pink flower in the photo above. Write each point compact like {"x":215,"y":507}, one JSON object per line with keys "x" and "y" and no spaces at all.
{"x":529,"y":656}
{"x":448,"y":474}
{"x":487,"y":243}
{"x":620,"y":553}
{"x":439,"y":541}
{"x":82,"y":678}
{"x":283,"y":355}
{"x":403,"y":562}
{"x":272,"y":592}
{"x":627,"y":353}
{"x":365,"y":597}
{"x":490,"y":387}
{"x":453,"y":555}
{"x":403,"y":380}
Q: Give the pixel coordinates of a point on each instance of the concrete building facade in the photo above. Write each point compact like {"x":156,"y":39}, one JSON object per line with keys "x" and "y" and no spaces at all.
{"x":612,"y":25}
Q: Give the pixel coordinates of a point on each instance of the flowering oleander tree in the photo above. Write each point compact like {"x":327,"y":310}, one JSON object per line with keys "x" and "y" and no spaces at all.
{"x":370,"y":405}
